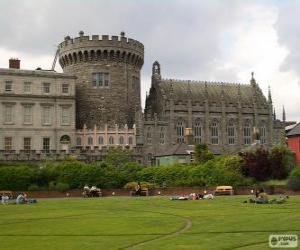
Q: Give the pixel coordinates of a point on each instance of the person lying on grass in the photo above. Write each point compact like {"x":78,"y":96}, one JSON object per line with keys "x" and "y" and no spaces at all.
{"x":261,"y":197}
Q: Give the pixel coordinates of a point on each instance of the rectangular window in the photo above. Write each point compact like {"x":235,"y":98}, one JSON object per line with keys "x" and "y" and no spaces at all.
{"x":27,"y":112}
{"x":214,"y":134}
{"x":27,"y":87}
{"x":65,"y":116}
{"x":46,"y":115}
{"x":100,"y":80}
{"x":65,"y":88}
{"x":46,"y":88}
{"x":46,"y":144}
{"x":8,"y":143}
{"x":8,"y":114}
{"x":149,"y":135}
{"x":8,"y":86}
{"x":263,"y":135}
{"x":27,"y":144}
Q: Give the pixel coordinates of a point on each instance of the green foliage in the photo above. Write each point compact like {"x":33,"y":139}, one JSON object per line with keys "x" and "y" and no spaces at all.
{"x":118,"y":157}
{"x":294,"y":179}
{"x":202,"y":154}
{"x":33,"y":187}
{"x":62,"y":187}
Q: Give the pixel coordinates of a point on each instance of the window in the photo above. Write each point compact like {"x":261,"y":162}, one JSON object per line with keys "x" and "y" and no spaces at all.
{"x":149,"y":135}
{"x":90,"y":141}
{"x":46,"y":88}
{"x":197,"y":132}
{"x":27,"y":144}
{"x":100,"y":80}
{"x":78,"y":141}
{"x":214,"y":130}
{"x":130,"y":140}
{"x":162,"y":135}
{"x":46,"y":144}
{"x":149,"y":157}
{"x":8,"y":114}
{"x":101,"y":140}
{"x":121,"y":140}
{"x":65,"y":116}
{"x":8,"y":86}
{"x":8,"y":143}
{"x":247,"y":134}
{"x":180,"y":131}
{"x":27,"y":112}
{"x":263,"y":134}
{"x":65,"y":88}
{"x":111,"y":140}
{"x":46,"y":115}
{"x":231,"y":133}
{"x":27,"y":87}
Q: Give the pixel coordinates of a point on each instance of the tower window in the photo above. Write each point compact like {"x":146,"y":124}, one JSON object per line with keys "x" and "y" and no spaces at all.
{"x":101,"y":80}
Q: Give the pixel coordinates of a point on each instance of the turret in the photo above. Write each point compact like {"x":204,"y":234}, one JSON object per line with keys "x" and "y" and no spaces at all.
{"x":108,"y":77}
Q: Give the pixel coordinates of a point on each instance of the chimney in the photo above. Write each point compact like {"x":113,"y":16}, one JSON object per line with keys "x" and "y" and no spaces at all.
{"x":14,"y":63}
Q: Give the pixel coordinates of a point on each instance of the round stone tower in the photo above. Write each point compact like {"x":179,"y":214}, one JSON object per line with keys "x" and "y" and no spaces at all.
{"x":108,"y":77}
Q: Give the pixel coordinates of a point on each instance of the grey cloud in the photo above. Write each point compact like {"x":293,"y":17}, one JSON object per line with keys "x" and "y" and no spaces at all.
{"x":288,"y":30}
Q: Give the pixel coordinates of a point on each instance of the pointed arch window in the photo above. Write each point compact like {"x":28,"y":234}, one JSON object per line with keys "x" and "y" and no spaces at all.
{"x":198,"y":132}
{"x":100,"y":140}
{"x":162,"y":135}
{"x":149,"y":135}
{"x":214,"y":133}
{"x":180,"y":126}
{"x":121,"y":140}
{"x":263,"y":134}
{"x":231,"y":133}
{"x":90,"y":141}
{"x":111,"y":140}
{"x":130,"y":140}
{"x":247,"y":133}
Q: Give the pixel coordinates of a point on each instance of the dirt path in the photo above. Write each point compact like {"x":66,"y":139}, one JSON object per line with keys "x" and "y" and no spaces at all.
{"x":187,"y":225}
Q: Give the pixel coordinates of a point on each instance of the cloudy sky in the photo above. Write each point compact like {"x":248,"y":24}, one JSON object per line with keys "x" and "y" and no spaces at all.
{"x":196,"y":40}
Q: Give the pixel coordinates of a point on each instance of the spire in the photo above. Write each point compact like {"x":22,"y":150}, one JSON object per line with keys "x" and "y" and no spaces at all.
{"x":283,"y":114}
{"x":269,"y":95}
{"x":222,"y":92}
{"x":252,"y":81}
{"x":274,"y":114}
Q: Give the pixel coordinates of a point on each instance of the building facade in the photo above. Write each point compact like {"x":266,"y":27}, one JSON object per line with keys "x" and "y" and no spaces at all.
{"x":37,"y":110}
{"x":95,"y":104}
{"x":222,"y":115}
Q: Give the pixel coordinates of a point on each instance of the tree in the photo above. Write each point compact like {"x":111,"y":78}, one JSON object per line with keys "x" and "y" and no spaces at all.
{"x":118,"y":157}
{"x":202,"y":154}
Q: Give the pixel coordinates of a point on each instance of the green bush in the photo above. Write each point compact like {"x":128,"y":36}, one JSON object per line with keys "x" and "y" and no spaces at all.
{"x":62,"y":187}
{"x":294,"y":179}
{"x":33,"y":187}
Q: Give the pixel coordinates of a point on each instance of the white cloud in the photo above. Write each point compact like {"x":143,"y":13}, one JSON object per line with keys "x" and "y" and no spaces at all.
{"x":204,"y":40}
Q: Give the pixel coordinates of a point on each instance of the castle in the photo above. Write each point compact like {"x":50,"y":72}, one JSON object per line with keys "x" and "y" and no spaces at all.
{"x":96,"y":104}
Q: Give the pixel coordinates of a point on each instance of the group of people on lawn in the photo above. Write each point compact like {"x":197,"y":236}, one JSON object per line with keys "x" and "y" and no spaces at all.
{"x":22,"y":198}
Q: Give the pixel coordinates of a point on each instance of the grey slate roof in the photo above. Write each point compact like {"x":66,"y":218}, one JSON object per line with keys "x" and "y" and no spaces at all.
{"x":197,"y":90}
{"x":177,"y":149}
{"x":294,"y":131}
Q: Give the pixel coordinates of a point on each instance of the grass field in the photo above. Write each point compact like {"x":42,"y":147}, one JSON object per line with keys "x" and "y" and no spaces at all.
{"x":145,"y":223}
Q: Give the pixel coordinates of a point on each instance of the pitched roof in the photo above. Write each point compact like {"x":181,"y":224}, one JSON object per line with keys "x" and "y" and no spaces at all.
{"x":177,"y":149}
{"x":294,"y":131}
{"x":199,"y":90}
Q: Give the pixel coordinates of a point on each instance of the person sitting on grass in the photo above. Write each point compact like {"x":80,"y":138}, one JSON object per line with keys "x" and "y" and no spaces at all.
{"x":262,"y":197}
{"x":20,"y":199}
{"x":4,"y":199}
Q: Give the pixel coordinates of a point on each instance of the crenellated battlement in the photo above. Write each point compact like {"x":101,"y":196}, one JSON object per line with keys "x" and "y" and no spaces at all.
{"x":102,"y":41}
{"x":97,"y":48}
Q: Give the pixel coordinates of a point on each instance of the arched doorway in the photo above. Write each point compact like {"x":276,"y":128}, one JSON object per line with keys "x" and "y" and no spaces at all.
{"x":65,"y":142}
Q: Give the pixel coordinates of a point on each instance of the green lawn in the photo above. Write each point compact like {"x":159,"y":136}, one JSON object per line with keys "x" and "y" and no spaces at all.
{"x":123,"y":222}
